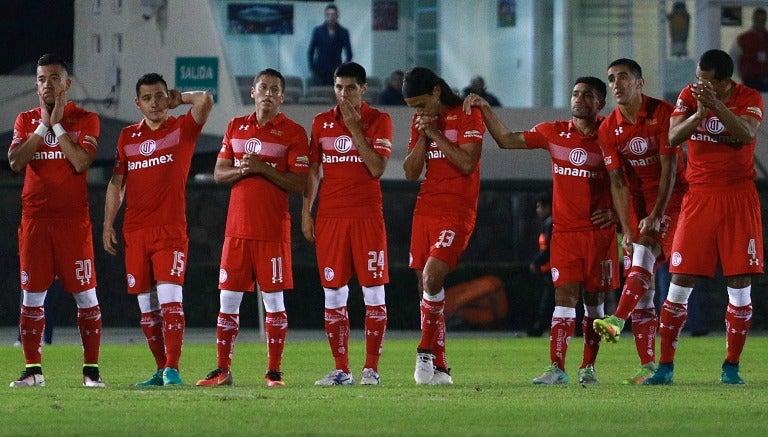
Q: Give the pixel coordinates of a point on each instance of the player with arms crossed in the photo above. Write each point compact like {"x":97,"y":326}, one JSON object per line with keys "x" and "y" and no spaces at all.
{"x":448,"y":143}
{"x":720,"y":216}
{"x":55,"y":144}
{"x":647,"y":184}
{"x":150,"y":172}
{"x":583,"y":248}
{"x":352,"y":143}
{"x":263,"y":157}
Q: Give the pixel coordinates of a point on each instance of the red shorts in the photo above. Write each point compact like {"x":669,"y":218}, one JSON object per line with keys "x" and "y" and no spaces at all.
{"x":243,"y":261}
{"x":345,"y":244}
{"x":590,"y":257}
{"x":155,"y":254}
{"x":62,"y":248}
{"x":668,"y":224}
{"x":723,"y":227}
{"x":444,"y":238}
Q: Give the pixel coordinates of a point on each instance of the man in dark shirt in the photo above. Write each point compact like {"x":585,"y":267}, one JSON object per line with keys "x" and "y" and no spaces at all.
{"x":393,"y":93}
{"x":328,"y":40}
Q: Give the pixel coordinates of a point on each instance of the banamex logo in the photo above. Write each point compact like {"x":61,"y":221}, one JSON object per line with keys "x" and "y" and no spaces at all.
{"x":148,"y":147}
{"x":343,"y":144}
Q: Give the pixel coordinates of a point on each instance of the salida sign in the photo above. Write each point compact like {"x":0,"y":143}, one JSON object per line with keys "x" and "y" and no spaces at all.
{"x":198,"y":74}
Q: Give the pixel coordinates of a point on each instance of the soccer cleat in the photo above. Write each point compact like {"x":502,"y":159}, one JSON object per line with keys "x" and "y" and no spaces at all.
{"x":553,"y":375}
{"x":441,"y":377}
{"x":662,"y":376}
{"x":171,"y":377}
{"x":91,"y":377}
{"x":216,"y":378}
{"x":30,"y":377}
{"x":609,"y":328}
{"x":645,"y":372}
{"x":336,"y":377}
{"x":155,"y":381}
{"x":587,"y":375}
{"x":425,"y":369}
{"x":369,"y":377}
{"x":730,"y":374}
{"x":274,"y":378}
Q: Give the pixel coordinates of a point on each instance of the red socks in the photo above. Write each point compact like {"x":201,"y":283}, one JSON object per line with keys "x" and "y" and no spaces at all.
{"x":737,"y":323}
{"x":560,"y":335}
{"x":173,"y":332}
{"x":337,"y":330}
{"x":637,"y":283}
{"x":591,"y":342}
{"x":673,"y":316}
{"x":431,"y":316}
{"x":89,"y":323}
{"x":152,"y":325}
{"x":644,"y":326}
{"x":227,"y":328}
{"x":31,"y":326}
{"x":375,"y":328}
{"x":276,"y":328}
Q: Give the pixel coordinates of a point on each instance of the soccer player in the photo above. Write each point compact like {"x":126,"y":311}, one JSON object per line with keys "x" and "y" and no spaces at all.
{"x":263,"y":157}
{"x":647,"y":184}
{"x":720,"y":217}
{"x":583,"y":249}
{"x":150,"y":173}
{"x":55,"y":144}
{"x":448,"y":143}
{"x":352,"y":143}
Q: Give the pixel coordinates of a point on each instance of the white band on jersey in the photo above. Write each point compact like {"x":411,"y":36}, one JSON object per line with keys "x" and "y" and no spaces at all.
{"x":58,"y":129}
{"x":41,"y":130}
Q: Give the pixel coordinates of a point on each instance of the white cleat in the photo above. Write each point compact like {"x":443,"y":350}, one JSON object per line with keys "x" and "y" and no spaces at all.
{"x":425,"y":369}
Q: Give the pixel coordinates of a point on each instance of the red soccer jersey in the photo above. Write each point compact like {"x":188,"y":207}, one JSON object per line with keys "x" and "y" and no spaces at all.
{"x":579,"y":179}
{"x":257,"y":207}
{"x":52,"y":189}
{"x":637,"y":147}
{"x":445,"y":191}
{"x":348,"y":188}
{"x":155,"y":164}
{"x":716,"y":160}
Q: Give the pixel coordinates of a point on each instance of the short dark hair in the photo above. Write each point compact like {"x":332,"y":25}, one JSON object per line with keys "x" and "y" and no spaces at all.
{"x":718,"y":61}
{"x":150,"y":79}
{"x":270,"y":72}
{"x":331,"y":6}
{"x":52,"y":59}
{"x":422,"y":80}
{"x":597,"y":85}
{"x":633,"y":66}
{"x":351,"y":69}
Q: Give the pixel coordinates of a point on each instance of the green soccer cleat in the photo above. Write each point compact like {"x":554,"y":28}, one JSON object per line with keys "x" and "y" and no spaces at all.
{"x":587,"y":375}
{"x":553,"y":375}
{"x":155,"y":381}
{"x":730,"y":374}
{"x":662,"y":376}
{"x":171,"y":377}
{"x":609,"y":328}
{"x":645,"y":372}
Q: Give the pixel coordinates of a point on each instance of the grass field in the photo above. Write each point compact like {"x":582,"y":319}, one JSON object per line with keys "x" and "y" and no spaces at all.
{"x":492,"y":394}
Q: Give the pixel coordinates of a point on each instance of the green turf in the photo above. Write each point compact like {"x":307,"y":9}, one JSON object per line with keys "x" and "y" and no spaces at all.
{"x":492,"y":394}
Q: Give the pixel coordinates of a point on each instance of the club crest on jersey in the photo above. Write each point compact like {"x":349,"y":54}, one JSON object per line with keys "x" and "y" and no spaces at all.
{"x":24,"y":278}
{"x":131,"y":280}
{"x":713,"y":125}
{"x":50,"y":139}
{"x":343,"y":144}
{"x":555,"y":274}
{"x":222,"y":276}
{"x":578,"y":156}
{"x":676,"y":259}
{"x":148,"y":147}
{"x":253,"y":146}
{"x":638,"y":145}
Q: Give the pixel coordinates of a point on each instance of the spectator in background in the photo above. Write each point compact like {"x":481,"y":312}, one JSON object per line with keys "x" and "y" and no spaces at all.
{"x":750,"y":51}
{"x":540,"y":267}
{"x":393,"y":93}
{"x":325,"y":47}
{"x":477,"y":86}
